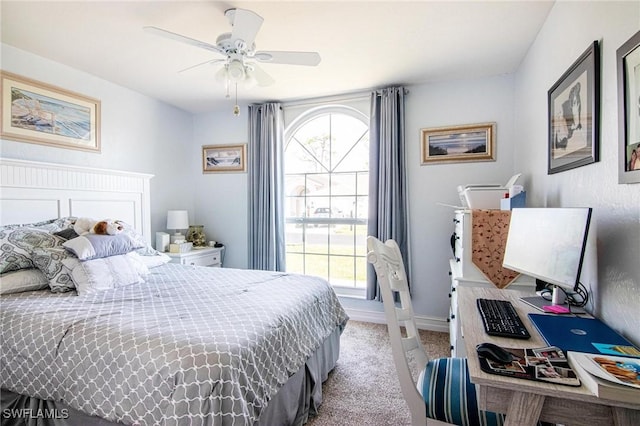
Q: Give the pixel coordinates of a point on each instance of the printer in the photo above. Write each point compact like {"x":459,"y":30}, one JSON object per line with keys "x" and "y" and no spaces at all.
{"x":488,"y":196}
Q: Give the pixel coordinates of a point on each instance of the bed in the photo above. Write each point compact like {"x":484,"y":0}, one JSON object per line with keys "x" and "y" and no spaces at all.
{"x":173,"y":345}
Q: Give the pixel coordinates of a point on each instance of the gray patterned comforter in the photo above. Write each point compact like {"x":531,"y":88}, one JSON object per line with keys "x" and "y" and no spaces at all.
{"x":192,"y":345}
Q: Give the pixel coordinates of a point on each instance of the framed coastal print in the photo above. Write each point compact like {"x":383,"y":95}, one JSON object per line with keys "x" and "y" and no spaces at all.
{"x":37,"y":112}
{"x":574,"y":108}
{"x":224,"y":158}
{"x":469,"y":142}
{"x":628,"y":66}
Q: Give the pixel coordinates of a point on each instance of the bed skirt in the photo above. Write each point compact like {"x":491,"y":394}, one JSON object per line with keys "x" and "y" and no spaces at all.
{"x":295,"y":402}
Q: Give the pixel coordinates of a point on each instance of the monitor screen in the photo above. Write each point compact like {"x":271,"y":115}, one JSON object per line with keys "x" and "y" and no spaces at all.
{"x":548,"y":244}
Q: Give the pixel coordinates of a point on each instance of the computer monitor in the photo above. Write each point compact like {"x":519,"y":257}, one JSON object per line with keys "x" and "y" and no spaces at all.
{"x":548,"y":244}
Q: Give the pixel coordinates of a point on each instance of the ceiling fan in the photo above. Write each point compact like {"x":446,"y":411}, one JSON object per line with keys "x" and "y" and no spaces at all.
{"x":239,"y":51}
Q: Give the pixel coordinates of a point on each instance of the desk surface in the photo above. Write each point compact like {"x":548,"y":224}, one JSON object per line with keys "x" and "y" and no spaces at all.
{"x":496,"y":391}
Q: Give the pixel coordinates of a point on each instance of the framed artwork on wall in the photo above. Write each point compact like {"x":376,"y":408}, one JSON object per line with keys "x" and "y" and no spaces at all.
{"x":574,"y":114}
{"x":37,"y":112}
{"x":628,"y":60}
{"x":224,"y":158}
{"x":469,"y":142}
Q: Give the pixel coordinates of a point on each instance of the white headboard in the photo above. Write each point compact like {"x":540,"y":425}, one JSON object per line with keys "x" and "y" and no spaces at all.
{"x":32,"y":191}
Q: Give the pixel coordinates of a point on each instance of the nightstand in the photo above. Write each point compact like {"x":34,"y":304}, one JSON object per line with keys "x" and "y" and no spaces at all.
{"x":210,"y":256}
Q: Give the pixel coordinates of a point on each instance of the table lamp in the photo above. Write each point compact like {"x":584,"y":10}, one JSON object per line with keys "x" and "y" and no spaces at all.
{"x":177,"y":220}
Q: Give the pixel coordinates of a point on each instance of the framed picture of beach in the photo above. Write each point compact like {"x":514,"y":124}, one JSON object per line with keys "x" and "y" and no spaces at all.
{"x":37,"y":112}
{"x":224,"y":158}
{"x":469,"y":142}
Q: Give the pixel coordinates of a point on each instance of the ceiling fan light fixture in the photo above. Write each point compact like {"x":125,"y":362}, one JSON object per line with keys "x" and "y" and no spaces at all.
{"x":236,"y":71}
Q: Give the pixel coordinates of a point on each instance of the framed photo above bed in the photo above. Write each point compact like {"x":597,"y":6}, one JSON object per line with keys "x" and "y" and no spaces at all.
{"x":224,"y":158}
{"x":454,"y":144}
{"x":574,"y":114}
{"x":37,"y":112}
{"x":628,"y":60}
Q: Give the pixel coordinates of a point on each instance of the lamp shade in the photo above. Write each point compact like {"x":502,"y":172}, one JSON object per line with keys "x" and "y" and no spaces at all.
{"x":177,"y":219}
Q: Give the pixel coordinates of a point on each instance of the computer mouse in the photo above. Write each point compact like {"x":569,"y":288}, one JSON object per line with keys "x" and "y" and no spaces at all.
{"x":494,"y":353}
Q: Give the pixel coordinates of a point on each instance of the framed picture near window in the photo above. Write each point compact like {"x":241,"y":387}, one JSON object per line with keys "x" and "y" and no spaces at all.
{"x":469,"y":142}
{"x":574,"y":108}
{"x":628,"y":59}
{"x":224,"y":158}
{"x":39,"y":113}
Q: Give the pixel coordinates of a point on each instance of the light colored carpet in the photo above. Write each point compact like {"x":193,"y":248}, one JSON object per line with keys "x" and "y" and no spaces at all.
{"x":363,"y":388}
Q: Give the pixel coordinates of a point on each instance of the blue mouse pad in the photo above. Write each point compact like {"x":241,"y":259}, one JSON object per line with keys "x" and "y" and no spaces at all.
{"x":576,"y":334}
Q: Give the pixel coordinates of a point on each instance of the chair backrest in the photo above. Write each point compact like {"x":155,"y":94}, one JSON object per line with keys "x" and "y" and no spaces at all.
{"x":392,"y":278}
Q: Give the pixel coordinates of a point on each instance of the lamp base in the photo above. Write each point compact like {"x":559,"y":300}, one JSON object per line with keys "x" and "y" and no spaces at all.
{"x":177,"y":237}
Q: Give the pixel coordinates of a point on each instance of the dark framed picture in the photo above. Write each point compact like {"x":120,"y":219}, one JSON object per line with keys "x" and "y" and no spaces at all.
{"x":628,"y":59}
{"x":224,"y":158}
{"x":37,"y":112}
{"x":574,"y":114}
{"x":469,"y":142}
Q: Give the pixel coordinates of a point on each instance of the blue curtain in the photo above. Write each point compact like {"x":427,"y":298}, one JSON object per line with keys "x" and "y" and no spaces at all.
{"x":266,"y":187}
{"x":388,"y":209}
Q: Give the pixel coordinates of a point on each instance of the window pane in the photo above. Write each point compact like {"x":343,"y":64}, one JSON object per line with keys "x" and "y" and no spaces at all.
{"x":295,"y":263}
{"x":294,"y":236}
{"x":317,"y":239}
{"x":341,"y":240}
{"x":342,"y":272}
{"x":343,"y":184}
{"x":316,"y":265}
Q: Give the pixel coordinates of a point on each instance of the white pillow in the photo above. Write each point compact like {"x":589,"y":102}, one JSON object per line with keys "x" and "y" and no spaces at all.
{"x":152,"y":261}
{"x":93,"y":276}
{"x":23,"y":280}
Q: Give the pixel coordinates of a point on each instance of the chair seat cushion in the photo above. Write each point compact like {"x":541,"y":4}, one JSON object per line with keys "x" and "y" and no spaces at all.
{"x":451,"y":397}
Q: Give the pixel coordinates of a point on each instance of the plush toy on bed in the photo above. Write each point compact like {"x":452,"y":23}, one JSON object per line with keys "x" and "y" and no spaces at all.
{"x":85,"y":225}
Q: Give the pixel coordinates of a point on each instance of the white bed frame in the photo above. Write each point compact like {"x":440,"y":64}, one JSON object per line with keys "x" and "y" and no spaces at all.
{"x":33,"y":191}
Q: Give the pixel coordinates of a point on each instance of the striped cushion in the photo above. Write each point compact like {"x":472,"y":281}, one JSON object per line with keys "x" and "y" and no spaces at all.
{"x":451,"y":397}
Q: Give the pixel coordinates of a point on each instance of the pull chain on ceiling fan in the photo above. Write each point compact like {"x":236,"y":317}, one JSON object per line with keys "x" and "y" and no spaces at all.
{"x":240,"y":56}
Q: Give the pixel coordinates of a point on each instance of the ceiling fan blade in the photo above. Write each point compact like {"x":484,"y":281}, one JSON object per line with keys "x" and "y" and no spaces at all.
{"x":290,"y":58}
{"x":183,"y":39}
{"x":209,"y":62}
{"x":262,"y":78}
{"x":246,"y":25}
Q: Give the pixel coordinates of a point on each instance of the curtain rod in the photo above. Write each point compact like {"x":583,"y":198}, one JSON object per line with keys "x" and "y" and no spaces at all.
{"x":354,"y":96}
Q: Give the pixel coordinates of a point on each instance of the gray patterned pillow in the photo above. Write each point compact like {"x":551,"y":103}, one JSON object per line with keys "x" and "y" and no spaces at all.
{"x":49,"y":261}
{"x":17,"y":241}
{"x":16,"y":245}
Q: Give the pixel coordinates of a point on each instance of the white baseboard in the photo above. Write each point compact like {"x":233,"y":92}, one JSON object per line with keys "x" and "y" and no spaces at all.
{"x":422,"y":322}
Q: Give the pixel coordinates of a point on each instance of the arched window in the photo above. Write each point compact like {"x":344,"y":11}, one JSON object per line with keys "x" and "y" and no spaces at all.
{"x":326,"y":199}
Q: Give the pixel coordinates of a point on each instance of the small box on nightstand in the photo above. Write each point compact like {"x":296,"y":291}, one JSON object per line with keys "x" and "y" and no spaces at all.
{"x":162,"y":241}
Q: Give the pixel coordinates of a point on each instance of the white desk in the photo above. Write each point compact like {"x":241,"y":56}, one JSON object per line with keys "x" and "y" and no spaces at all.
{"x":526,"y":401}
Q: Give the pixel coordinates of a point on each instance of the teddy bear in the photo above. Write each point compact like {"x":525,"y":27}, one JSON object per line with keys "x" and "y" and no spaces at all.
{"x":107,"y":227}
{"x":85,"y":225}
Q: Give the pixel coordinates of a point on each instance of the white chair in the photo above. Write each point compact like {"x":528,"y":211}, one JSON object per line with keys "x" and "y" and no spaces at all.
{"x":442,"y":392}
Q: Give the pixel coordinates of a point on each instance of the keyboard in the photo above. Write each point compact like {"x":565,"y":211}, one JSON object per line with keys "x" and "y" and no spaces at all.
{"x":501,"y":319}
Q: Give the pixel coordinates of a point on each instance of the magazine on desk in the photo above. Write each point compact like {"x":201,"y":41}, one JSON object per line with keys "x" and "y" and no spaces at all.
{"x":609,"y":377}
{"x":547,"y":364}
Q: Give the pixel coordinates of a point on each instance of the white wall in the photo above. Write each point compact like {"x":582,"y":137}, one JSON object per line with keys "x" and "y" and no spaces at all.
{"x":222,"y":198}
{"x":138,"y":133}
{"x":568,"y":31}
{"x":431,"y":225}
